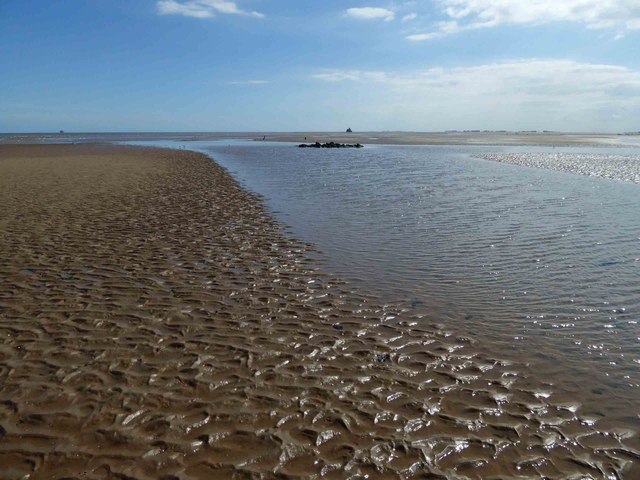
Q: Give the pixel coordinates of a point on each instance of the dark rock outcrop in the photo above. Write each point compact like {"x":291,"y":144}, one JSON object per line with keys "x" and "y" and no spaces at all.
{"x":330,"y":145}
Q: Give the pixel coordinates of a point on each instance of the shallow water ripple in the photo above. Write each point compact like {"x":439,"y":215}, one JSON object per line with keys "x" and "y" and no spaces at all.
{"x":612,"y":166}
{"x":543,"y":264}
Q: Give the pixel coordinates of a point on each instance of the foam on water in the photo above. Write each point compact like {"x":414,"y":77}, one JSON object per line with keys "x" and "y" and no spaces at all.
{"x":605,"y":165}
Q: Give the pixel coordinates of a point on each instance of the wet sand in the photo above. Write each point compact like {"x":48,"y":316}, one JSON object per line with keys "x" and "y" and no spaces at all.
{"x":461,"y":138}
{"x":488,"y":138}
{"x":157,"y":323}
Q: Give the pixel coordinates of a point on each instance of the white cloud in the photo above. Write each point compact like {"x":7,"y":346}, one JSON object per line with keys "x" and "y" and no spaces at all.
{"x":409,"y":17}
{"x":621,"y":15}
{"x":544,"y":79}
{"x":371,"y":13}
{"x":444,"y":28}
{"x":201,"y":8}
{"x":188,"y":10}
{"x":338,"y":75}
{"x":532,"y":93}
{"x":523,"y":77}
{"x":418,"y":37}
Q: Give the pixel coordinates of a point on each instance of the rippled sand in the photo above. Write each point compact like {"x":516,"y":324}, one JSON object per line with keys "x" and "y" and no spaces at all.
{"x":616,"y":167}
{"x":155,"y":323}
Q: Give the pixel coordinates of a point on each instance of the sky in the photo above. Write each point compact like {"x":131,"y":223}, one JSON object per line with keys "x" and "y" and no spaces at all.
{"x":319,"y":65}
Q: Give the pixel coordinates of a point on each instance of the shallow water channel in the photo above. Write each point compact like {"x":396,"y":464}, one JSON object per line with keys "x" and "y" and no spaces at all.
{"x":542,"y":265}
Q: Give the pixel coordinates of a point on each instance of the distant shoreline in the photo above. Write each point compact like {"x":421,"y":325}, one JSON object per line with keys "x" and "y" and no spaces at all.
{"x":465,"y":138}
{"x":558,"y":139}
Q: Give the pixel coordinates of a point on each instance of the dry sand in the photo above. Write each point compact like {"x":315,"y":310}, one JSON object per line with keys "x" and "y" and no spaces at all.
{"x":156,"y":323}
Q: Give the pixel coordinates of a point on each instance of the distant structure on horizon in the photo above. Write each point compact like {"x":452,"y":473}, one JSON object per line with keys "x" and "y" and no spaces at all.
{"x":349,"y":130}
{"x":61,"y":131}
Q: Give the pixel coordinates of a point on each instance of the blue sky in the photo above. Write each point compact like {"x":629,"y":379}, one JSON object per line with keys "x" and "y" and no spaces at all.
{"x":296,"y":65}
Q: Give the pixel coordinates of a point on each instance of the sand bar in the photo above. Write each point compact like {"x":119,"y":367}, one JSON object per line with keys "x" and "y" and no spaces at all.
{"x":489,"y":138}
{"x":462,"y":138}
{"x":156,"y":323}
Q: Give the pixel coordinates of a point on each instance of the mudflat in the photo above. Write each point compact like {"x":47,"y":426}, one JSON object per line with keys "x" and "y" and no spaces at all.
{"x":478,"y":138}
{"x":462,"y":138}
{"x":155,"y":322}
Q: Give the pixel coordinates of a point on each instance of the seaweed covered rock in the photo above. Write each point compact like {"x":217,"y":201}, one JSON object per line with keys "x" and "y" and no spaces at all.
{"x":330,"y":145}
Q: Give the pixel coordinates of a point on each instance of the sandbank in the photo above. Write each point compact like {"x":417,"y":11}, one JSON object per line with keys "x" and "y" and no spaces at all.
{"x":489,"y":138}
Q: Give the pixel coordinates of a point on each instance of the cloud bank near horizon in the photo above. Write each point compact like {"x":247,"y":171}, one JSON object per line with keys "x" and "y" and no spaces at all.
{"x":546,"y":75}
{"x":551,"y":94}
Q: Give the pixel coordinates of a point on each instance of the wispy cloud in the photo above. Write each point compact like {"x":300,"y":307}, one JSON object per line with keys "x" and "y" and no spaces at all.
{"x":535,"y":93}
{"x":619,"y":15}
{"x":201,"y":8}
{"x":409,"y":17}
{"x":550,"y":79}
{"x":350,"y":75}
{"x":419,"y":37}
{"x":371,"y":13}
{"x":248,"y":82}
{"x":446,"y":28}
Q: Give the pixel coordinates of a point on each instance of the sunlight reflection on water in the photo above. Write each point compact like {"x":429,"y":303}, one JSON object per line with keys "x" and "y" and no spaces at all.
{"x":539,"y":262}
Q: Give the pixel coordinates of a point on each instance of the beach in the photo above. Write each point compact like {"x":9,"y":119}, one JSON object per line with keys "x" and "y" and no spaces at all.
{"x":499,"y":138}
{"x":477,"y":138}
{"x":158,"y":323}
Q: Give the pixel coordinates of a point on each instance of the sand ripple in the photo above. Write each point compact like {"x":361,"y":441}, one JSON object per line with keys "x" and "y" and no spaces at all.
{"x":157,"y":324}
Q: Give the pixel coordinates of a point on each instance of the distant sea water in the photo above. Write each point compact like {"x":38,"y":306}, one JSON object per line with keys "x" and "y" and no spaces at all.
{"x":542,"y":265}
